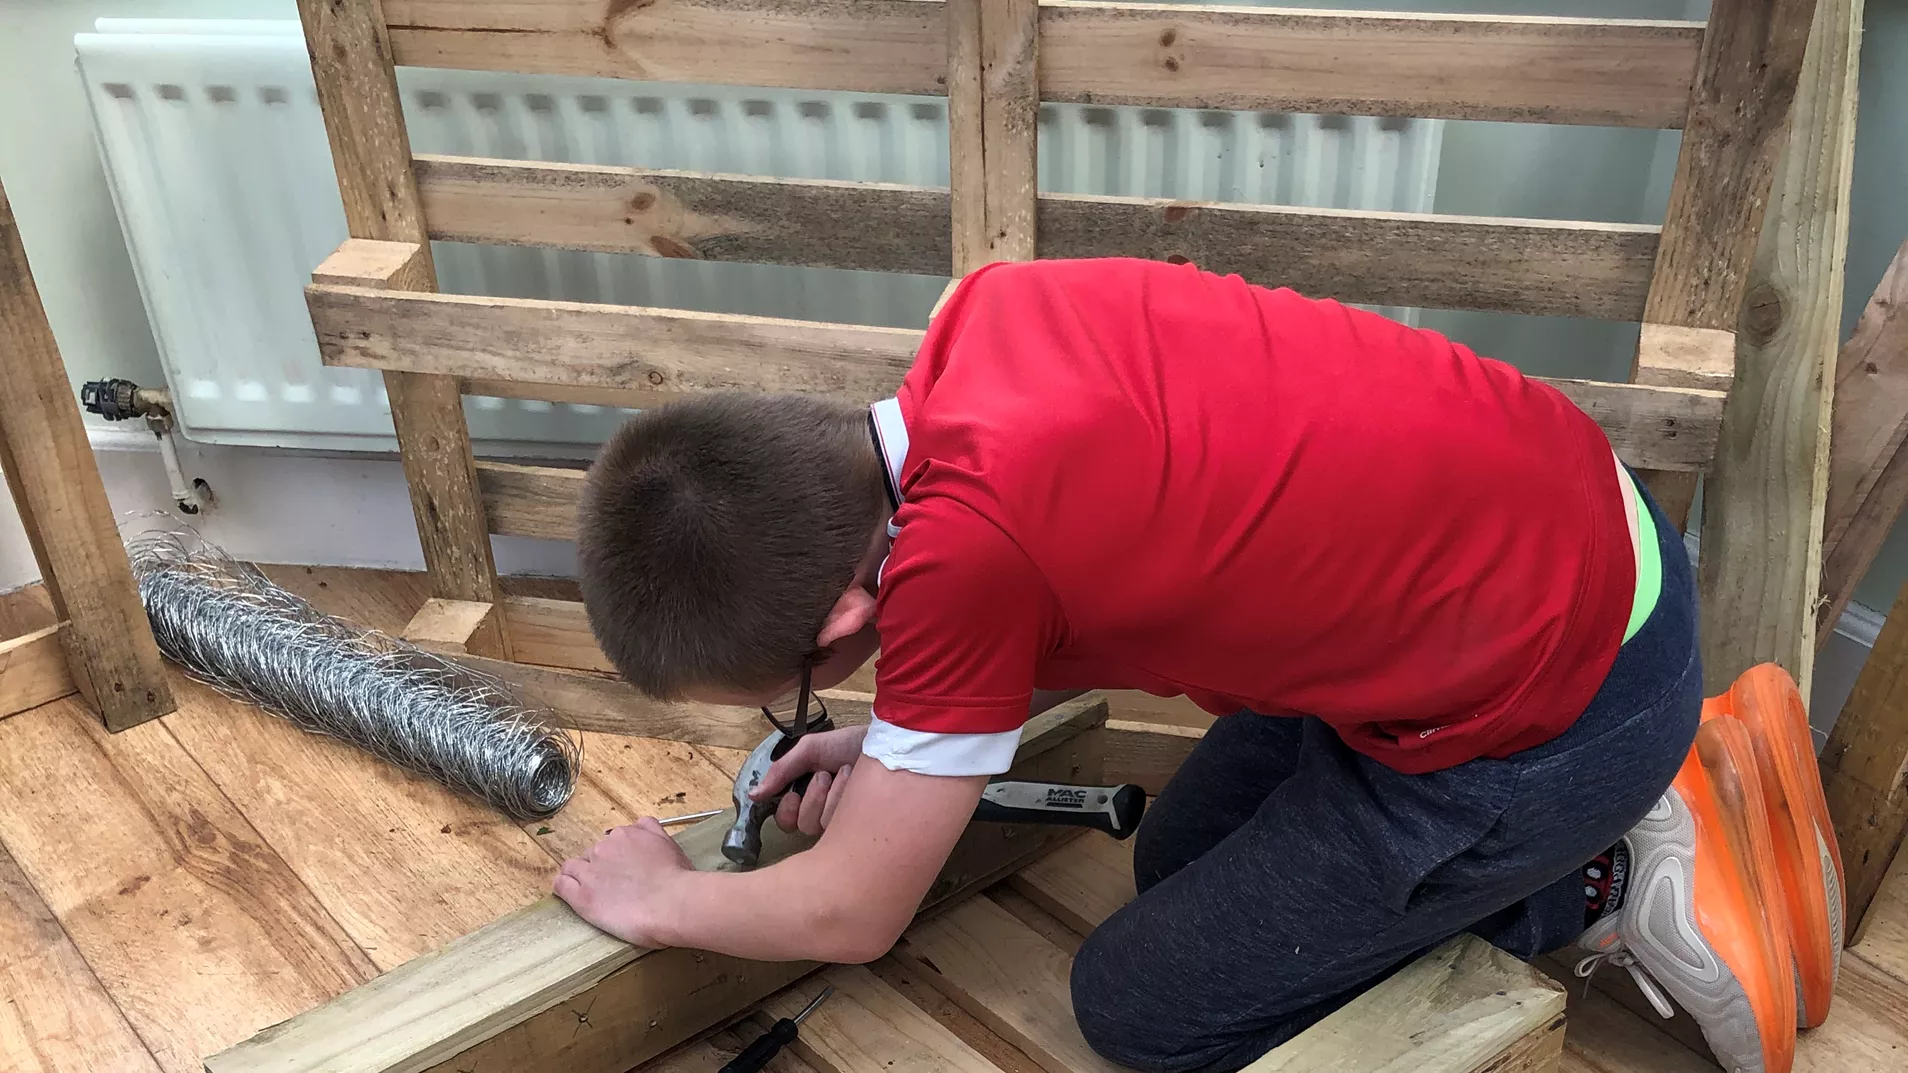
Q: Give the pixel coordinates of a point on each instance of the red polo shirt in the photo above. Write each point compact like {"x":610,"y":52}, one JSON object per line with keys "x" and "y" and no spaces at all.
{"x":1127,"y":474}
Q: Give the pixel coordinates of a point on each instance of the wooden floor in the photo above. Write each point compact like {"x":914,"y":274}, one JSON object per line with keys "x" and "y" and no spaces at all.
{"x":168,"y":891}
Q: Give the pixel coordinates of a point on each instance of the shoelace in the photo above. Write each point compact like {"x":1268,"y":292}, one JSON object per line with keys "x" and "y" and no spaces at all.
{"x":1645,"y":983}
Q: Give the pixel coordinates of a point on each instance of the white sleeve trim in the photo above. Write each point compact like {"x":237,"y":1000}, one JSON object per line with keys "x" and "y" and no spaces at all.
{"x":901,"y":749}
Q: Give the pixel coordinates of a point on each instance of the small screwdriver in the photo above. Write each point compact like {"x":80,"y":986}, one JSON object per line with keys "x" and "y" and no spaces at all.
{"x":770,"y":1043}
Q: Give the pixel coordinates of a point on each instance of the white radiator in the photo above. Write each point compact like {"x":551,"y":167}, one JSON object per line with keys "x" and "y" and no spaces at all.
{"x":216,"y":153}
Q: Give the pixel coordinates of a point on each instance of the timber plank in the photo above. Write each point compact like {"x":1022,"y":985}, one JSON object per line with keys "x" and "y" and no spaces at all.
{"x":1010,"y":112}
{"x":1763,"y":497}
{"x":630,"y":778}
{"x":1746,"y":75}
{"x":542,"y":989}
{"x":1465,"y":1006}
{"x":1883,"y":939}
{"x":718,"y":1049}
{"x":49,"y":466}
{"x":1868,"y":472}
{"x":1003,"y":973}
{"x":447,"y":625}
{"x":33,"y":670}
{"x":1867,"y":1027}
{"x":1863,"y":764}
{"x":1081,"y":883}
{"x":876,"y":227}
{"x":924,"y":997}
{"x":1147,"y":754}
{"x":401,"y":862}
{"x":966,"y":133}
{"x":1608,"y":72}
{"x":553,"y":633}
{"x":56,"y":1017}
{"x":530,"y":501}
{"x":198,"y":930}
{"x":1501,"y":264}
{"x":866,"y":1026}
{"x":581,"y":344}
{"x":1602,"y":71}
{"x":1603,"y":1036}
{"x":357,"y":90}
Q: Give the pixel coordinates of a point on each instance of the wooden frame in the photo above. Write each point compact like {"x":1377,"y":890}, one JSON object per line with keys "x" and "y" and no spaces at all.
{"x":373,"y":303}
{"x":103,"y":646}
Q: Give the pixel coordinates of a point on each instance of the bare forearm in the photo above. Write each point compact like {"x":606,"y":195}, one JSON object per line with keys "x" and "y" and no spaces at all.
{"x":796,"y":910}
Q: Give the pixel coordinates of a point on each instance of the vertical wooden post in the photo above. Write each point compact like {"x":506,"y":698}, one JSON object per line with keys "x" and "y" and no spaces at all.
{"x":55,"y":480}
{"x":1763,"y":497}
{"x":1865,"y":768}
{"x":1745,"y":78}
{"x":993,"y":112}
{"x":371,"y":151}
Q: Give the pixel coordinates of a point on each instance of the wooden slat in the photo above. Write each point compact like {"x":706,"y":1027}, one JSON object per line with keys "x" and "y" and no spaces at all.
{"x":879,"y":227}
{"x":530,"y":501}
{"x":197,"y":928}
{"x":542,"y":989}
{"x":371,"y":153}
{"x":1083,"y":883}
{"x":1464,"y":1007}
{"x":967,"y":156}
{"x":866,"y":1026}
{"x":586,"y":345}
{"x":866,"y":46}
{"x":616,"y":346}
{"x":1606,"y":72}
{"x":54,"y":478}
{"x":56,"y":1017}
{"x":33,"y":670}
{"x":608,"y":705}
{"x":1762,"y":499}
{"x":1387,"y":258}
{"x":1671,"y":356}
{"x":1863,"y":766}
{"x":718,"y":1049}
{"x":625,"y":779}
{"x":1739,"y":105}
{"x":1868,"y":470}
{"x":1867,"y":1027}
{"x":1003,"y":973}
{"x":1883,"y":939}
{"x":553,"y":633}
{"x":1010,"y":113}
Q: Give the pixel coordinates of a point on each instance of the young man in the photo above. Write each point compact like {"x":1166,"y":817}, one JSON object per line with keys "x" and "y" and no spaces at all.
{"x":1455,"y":638}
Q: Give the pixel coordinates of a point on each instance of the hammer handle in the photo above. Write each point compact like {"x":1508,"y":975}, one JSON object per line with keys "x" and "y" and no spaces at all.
{"x":1113,"y":809}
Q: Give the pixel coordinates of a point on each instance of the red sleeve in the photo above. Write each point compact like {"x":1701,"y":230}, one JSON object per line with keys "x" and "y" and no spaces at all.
{"x":964,"y":618}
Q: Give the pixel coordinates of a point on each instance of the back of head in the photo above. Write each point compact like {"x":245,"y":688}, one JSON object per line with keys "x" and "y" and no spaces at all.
{"x":716,"y":533}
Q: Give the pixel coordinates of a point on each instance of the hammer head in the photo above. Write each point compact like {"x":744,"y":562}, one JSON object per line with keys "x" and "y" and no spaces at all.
{"x":743,"y":842}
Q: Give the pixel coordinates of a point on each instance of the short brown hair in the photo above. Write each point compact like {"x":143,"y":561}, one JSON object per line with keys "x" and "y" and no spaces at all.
{"x":715,"y":534}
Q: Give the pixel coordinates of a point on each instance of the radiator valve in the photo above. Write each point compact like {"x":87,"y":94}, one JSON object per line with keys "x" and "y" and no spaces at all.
{"x":120,"y":400}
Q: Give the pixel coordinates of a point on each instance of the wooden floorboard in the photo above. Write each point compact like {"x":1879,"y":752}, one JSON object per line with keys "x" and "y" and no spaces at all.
{"x":56,"y":1018}
{"x":1081,"y":883}
{"x":866,"y":1026}
{"x":194,"y":925}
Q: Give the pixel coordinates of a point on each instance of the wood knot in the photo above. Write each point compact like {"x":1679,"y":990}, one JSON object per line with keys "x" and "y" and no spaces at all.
{"x":1176,"y":213}
{"x":656,"y":377}
{"x":1172,"y":63}
{"x":1166,"y":39}
{"x":1762,"y":314}
{"x":641,"y":202}
{"x":670,"y":247}
{"x":1178,"y":259}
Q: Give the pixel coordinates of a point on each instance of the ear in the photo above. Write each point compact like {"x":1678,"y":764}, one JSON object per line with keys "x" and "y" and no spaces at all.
{"x":851,"y":614}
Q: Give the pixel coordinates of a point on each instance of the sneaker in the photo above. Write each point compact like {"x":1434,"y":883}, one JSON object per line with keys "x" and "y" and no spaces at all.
{"x":1808,"y":858}
{"x":1689,"y":923}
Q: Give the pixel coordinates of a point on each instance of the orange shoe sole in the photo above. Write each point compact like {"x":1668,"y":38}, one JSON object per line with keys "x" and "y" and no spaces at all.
{"x":1808,"y":858}
{"x":1737,"y":877}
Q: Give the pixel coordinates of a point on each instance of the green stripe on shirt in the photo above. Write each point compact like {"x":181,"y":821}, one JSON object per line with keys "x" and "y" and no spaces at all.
{"x":1649,"y":556}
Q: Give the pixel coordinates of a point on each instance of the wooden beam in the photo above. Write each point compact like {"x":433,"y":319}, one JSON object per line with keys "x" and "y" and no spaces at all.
{"x":1607,"y":72}
{"x":1762,"y":500}
{"x":1603,"y":71}
{"x":1466,"y":1006}
{"x":370,"y":262}
{"x":1507,"y":265}
{"x":553,"y":633}
{"x":582,"y":345}
{"x":371,"y":153}
{"x":630,"y":398}
{"x":1868,"y":470}
{"x":542,"y":989}
{"x":1746,"y":75}
{"x":1083,"y":882}
{"x":1010,"y":124}
{"x":33,"y":670}
{"x":49,"y":465}
{"x":531,"y":501}
{"x":595,"y":702}
{"x":869,"y":1027}
{"x":1865,"y":766}
{"x":448,"y":625}
{"x":877,"y":227}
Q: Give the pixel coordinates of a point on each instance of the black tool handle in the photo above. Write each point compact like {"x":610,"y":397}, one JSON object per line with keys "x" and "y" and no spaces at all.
{"x":1114,"y":809}
{"x":766,"y":1046}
